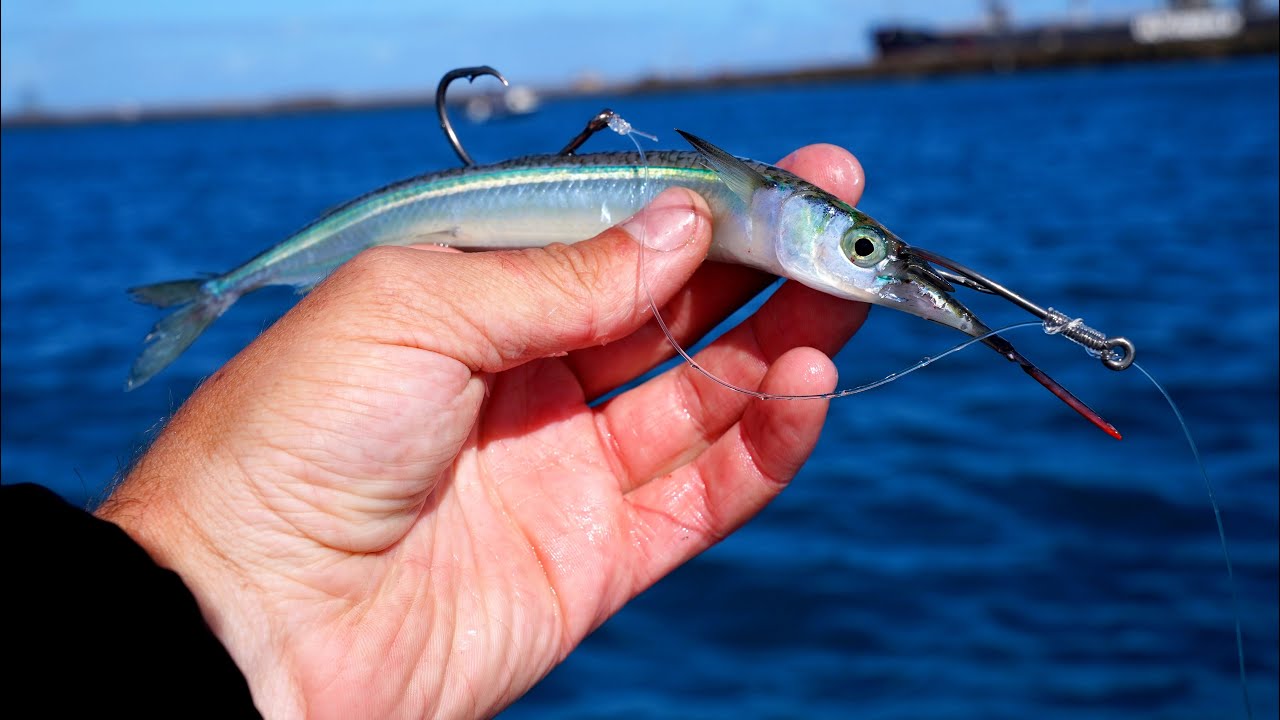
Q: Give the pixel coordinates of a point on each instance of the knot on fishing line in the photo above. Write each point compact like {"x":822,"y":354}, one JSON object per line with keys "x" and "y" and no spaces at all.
{"x":1116,"y":353}
{"x":618,"y":125}
{"x":624,"y":128}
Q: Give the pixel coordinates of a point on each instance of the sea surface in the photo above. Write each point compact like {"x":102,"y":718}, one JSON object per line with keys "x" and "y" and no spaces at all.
{"x":961,"y":545}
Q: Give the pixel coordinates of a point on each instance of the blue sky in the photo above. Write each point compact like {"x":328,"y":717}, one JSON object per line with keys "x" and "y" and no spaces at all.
{"x":67,"y":55}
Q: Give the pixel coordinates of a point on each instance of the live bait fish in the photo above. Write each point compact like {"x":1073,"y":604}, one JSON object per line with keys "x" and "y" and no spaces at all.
{"x":764,"y":217}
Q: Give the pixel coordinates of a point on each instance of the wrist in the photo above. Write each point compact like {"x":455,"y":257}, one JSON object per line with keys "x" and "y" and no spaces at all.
{"x":186,"y":529}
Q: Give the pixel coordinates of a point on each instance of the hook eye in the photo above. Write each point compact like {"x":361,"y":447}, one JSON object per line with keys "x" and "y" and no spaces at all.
{"x":1119,"y":355}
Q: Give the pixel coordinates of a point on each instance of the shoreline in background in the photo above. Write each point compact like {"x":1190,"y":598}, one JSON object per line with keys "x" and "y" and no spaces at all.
{"x":1260,"y":37}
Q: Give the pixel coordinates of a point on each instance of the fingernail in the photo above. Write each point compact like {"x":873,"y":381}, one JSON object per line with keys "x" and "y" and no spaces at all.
{"x":666,"y":224}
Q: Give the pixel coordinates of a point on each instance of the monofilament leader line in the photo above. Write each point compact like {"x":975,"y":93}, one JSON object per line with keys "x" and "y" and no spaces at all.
{"x":1222,"y":537}
{"x":1053,"y":325}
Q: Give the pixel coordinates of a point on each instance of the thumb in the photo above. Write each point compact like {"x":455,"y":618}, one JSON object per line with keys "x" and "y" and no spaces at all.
{"x":502,"y":309}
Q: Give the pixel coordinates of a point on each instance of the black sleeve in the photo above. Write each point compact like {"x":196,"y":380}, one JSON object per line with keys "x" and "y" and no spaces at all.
{"x":94,"y":628}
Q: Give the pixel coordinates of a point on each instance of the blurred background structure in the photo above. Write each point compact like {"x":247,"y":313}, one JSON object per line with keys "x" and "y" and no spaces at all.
{"x":1184,"y":28}
{"x":69,"y":61}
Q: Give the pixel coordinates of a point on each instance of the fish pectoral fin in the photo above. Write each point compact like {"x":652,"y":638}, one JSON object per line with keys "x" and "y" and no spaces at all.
{"x":448,"y":237}
{"x":741,"y":178}
{"x":439,"y":238}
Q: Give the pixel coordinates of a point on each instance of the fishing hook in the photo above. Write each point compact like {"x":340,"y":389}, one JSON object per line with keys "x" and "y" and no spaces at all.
{"x":595,"y":125}
{"x":1117,"y":353}
{"x":470,"y":73}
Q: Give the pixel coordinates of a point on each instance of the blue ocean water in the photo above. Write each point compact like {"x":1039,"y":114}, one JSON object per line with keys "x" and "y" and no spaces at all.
{"x":961,"y":545}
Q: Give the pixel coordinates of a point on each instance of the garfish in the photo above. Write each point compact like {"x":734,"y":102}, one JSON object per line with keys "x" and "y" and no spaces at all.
{"x":763,"y":217}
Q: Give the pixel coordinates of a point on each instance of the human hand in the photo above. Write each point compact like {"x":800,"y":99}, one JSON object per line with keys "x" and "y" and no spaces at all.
{"x":398,"y":502}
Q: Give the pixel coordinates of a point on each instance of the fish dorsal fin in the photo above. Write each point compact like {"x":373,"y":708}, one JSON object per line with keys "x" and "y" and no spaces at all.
{"x":741,"y":178}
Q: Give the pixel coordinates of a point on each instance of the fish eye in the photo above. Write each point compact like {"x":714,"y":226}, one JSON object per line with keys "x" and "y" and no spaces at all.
{"x":865,"y":246}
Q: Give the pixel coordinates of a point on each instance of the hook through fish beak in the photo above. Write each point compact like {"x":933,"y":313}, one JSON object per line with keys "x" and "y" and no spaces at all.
{"x":1116,"y":353}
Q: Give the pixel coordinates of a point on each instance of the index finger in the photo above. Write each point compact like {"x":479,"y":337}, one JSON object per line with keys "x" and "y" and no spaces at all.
{"x":831,"y":168}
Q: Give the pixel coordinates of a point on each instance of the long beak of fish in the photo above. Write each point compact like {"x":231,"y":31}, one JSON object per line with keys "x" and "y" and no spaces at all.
{"x":932,"y":299}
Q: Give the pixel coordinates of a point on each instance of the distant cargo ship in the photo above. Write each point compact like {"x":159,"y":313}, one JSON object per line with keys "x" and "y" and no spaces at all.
{"x":1181,"y":29}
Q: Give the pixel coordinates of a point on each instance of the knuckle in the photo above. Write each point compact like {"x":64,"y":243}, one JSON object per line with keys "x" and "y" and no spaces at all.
{"x":374,"y":266}
{"x":378,"y":285}
{"x":585,"y":279}
{"x":578,"y":273}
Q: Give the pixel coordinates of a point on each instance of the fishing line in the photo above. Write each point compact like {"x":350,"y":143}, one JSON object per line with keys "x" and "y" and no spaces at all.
{"x":1222,"y":536}
{"x":1054,"y":324}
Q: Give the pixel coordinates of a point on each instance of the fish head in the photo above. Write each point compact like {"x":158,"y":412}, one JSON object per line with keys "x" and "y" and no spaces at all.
{"x":827,"y":244}
{"x":831,"y":246}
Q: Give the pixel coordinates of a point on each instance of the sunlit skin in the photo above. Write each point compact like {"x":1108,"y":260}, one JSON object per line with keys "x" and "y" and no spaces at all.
{"x":397,"y":502}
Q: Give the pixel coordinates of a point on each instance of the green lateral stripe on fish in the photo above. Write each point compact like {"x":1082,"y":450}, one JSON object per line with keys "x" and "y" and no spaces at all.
{"x":763,"y":217}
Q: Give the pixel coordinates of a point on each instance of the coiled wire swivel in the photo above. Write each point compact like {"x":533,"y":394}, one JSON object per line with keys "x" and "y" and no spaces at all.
{"x":1116,"y":353}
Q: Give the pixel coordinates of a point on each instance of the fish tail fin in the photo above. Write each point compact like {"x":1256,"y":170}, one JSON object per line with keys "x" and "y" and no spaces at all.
{"x":168,"y":294}
{"x":198,"y":305}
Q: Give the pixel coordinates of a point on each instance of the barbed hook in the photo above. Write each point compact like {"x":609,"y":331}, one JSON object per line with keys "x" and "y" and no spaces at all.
{"x":470,"y":73}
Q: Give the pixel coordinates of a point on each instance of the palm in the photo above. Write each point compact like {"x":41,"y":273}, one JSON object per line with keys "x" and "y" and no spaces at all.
{"x":550,"y":514}
{"x":527,"y":514}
